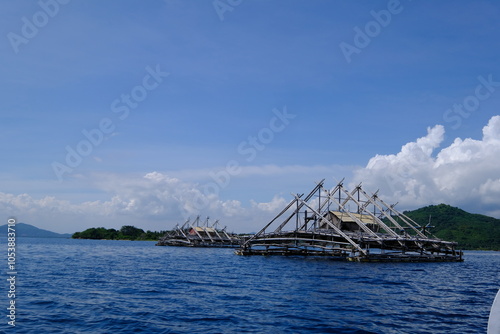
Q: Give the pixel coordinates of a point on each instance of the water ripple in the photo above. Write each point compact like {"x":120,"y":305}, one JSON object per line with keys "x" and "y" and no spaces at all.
{"x":84,"y":286}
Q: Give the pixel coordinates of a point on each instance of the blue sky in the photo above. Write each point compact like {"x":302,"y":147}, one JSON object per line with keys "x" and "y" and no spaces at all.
{"x":68,"y":66}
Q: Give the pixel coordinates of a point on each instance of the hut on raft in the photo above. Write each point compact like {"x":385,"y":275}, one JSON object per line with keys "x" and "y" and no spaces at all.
{"x":348,"y":225}
{"x":197,"y":234}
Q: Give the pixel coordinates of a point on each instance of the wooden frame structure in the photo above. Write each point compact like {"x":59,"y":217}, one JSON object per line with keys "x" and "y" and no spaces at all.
{"x":354,"y":226}
{"x":199,"y":234}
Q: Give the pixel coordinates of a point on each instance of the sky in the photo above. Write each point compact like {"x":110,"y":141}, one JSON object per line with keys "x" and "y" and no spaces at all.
{"x":149,"y":113}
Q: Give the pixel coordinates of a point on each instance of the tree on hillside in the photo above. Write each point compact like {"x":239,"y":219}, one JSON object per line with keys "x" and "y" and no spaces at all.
{"x":126,"y":232}
{"x":96,"y":233}
{"x":131,"y":232}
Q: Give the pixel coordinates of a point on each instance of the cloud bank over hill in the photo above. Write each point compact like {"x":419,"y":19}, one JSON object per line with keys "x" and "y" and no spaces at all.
{"x":155,"y":201}
{"x":465,"y":174}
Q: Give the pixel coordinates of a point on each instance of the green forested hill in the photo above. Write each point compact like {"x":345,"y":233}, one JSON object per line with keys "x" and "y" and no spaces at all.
{"x":471,"y":231}
{"x":127,"y":232}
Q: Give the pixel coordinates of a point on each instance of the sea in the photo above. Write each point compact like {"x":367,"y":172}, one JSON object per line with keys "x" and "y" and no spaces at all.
{"x":106,"y":286}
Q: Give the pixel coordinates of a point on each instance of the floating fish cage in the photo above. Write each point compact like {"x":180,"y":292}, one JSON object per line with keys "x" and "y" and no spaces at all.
{"x":323,"y":224}
{"x":194,"y":235}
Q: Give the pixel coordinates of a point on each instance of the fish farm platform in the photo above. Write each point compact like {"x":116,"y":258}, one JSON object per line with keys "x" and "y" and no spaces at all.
{"x":194,"y":235}
{"x":321,"y":224}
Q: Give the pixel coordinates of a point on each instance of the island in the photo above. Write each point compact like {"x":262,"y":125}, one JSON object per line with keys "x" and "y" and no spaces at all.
{"x":126,"y":232}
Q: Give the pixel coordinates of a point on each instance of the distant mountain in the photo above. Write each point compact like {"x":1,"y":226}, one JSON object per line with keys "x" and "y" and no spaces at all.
{"x":471,"y":231}
{"x":27,"y":230}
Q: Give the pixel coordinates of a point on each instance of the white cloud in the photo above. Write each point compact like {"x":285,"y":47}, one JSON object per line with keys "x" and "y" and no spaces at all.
{"x":466,"y":173}
{"x":159,"y":200}
{"x":275,"y":206}
{"x":155,"y":201}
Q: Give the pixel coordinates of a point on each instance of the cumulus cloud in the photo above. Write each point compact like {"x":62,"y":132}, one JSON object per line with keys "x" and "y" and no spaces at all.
{"x":154,"y":201}
{"x":274,"y":206}
{"x":466,"y":173}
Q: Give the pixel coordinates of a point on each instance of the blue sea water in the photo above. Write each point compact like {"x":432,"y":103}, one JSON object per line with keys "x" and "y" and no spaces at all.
{"x":99,"y":286}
